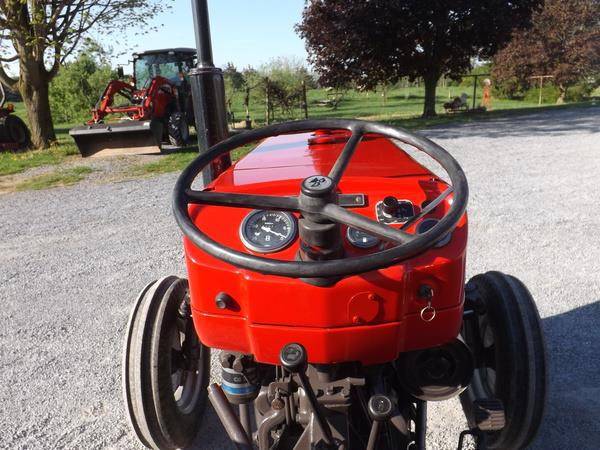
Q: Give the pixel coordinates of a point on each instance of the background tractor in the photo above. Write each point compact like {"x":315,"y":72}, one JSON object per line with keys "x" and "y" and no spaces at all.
{"x":138,"y":115}
{"x":14,"y":134}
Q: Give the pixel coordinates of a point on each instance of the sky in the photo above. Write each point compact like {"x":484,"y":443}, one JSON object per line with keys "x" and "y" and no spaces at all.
{"x":245,"y":32}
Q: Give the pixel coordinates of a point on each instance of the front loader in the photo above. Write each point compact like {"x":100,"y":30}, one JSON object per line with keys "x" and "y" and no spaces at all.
{"x":153,"y":107}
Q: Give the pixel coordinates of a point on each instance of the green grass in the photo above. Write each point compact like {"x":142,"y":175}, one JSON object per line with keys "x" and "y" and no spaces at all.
{"x":176,"y":162}
{"x":16,"y":162}
{"x":61,"y":177}
{"x":11,"y":163}
{"x":400,"y":103}
{"x":169,"y":163}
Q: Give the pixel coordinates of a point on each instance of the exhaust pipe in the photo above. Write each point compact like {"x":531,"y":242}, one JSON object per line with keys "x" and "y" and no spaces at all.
{"x":230,"y":421}
{"x":208,"y":94}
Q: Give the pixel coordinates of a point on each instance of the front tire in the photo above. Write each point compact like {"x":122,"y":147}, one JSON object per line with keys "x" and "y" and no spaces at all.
{"x":178,"y":129}
{"x":165,"y":367}
{"x":506,"y":338}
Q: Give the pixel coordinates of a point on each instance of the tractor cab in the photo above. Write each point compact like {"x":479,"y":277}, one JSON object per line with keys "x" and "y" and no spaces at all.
{"x":172,"y":64}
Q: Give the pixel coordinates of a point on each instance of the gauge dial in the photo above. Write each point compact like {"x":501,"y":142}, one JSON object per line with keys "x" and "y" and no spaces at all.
{"x":361,"y":239}
{"x":268,"y":231}
{"x":427,"y":225}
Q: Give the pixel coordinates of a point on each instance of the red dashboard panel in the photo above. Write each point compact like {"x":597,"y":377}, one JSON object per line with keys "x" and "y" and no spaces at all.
{"x":370,"y":317}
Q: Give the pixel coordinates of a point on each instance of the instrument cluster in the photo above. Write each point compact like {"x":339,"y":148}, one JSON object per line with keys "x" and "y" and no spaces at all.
{"x":264,"y":231}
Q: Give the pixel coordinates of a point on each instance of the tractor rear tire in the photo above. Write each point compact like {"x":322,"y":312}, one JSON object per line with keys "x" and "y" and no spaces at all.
{"x":505,"y":335}
{"x":15,"y":131}
{"x":178,"y":129}
{"x":166,"y":368}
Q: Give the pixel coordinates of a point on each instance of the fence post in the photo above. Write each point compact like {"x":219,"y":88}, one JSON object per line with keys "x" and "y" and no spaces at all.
{"x":474,"y":90}
{"x":304,"y":101}
{"x":267,"y":102}
{"x":247,"y":106}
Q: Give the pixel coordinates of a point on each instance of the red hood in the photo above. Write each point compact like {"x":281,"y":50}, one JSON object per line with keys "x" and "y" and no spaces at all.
{"x":299,"y":156}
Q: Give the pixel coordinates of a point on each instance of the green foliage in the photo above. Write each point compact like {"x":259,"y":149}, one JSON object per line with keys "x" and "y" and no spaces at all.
{"x":467,"y":82}
{"x":77,"y":87}
{"x":563,"y":42}
{"x":233,"y":77}
{"x":550,"y":93}
{"x":579,"y":92}
{"x":282,"y":78}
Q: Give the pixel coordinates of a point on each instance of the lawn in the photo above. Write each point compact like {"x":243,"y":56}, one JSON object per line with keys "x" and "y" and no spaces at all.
{"x":11,"y":163}
{"x":399,"y":103}
{"x":400,"y":107}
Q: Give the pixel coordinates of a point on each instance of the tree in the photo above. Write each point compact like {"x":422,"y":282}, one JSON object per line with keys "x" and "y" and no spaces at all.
{"x":41,"y":35}
{"x":233,"y":77}
{"x":381,"y":41}
{"x":79,"y":84}
{"x":564,"y":42}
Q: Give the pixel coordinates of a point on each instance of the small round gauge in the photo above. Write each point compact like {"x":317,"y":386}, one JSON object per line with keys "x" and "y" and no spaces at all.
{"x":268,"y":231}
{"x":361,"y":239}
{"x":427,"y":225}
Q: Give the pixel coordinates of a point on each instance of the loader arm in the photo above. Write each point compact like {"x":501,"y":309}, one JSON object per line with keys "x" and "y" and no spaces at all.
{"x":104,"y":105}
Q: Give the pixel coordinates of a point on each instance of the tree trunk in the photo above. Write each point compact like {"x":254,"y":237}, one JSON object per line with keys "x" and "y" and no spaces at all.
{"x":562,"y":89}
{"x":37,"y":104}
{"x":430,"y":87}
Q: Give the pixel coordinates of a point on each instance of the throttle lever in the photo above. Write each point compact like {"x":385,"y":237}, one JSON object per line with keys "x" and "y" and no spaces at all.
{"x":293,"y":358}
{"x":380,"y":410}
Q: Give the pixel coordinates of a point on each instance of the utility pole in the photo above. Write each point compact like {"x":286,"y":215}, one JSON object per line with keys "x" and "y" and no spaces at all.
{"x":541,"y":78}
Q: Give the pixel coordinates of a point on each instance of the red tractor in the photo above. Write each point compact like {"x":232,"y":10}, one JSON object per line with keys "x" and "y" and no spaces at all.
{"x":152,"y":108}
{"x":14,"y":134}
{"x":327,"y":267}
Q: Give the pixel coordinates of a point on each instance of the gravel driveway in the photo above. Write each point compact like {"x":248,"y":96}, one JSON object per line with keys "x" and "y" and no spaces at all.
{"x":73,"y":259}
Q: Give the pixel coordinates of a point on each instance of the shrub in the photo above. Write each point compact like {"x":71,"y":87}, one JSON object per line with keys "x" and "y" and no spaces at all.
{"x":77,"y":87}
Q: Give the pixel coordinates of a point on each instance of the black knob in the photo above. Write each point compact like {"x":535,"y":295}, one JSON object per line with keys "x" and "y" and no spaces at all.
{"x":317,"y":186}
{"x":223,"y":300}
{"x":380,"y":407}
{"x":390,"y":206}
{"x":293,"y":357}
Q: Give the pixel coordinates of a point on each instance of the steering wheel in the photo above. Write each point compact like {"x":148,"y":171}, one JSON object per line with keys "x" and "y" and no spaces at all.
{"x":318,"y":199}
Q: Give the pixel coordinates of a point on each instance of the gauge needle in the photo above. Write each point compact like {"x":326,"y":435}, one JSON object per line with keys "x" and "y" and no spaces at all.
{"x":268,"y":230}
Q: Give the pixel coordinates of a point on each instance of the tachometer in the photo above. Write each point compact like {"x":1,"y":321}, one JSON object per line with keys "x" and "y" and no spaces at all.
{"x":360,"y":239}
{"x":268,"y":231}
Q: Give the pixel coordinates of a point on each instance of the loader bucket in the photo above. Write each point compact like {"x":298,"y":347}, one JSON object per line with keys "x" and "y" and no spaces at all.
{"x":122,"y":138}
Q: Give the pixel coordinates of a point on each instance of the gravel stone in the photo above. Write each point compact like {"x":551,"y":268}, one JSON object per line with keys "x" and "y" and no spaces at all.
{"x":72,"y":260}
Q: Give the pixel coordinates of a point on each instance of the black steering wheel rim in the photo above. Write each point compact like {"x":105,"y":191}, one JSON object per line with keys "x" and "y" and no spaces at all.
{"x":183,"y":195}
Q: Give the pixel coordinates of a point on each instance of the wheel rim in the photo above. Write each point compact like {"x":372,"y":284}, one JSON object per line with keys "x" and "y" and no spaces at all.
{"x":186,"y":362}
{"x":482,"y":339}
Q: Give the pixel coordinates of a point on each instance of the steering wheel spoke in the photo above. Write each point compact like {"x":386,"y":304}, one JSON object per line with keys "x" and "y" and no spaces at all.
{"x":429,"y":208}
{"x":354,"y":220}
{"x":339,"y":167}
{"x":236,"y":200}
